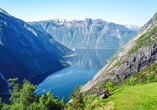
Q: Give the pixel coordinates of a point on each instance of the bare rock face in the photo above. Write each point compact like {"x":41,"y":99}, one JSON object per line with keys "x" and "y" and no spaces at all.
{"x":26,"y":52}
{"x":88,"y":33}
{"x":139,"y":53}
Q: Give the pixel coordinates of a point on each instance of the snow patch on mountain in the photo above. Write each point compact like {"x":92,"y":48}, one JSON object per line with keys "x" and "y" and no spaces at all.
{"x":132,"y":27}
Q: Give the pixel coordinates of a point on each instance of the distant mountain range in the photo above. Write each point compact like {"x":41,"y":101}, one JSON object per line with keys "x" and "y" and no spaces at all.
{"x":26,"y":52}
{"x":88,"y":33}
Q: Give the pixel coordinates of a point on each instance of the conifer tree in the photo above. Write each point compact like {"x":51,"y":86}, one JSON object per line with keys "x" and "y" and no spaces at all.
{"x":23,"y":97}
{"x":47,"y":102}
{"x":63,"y":105}
{"x":76,"y":100}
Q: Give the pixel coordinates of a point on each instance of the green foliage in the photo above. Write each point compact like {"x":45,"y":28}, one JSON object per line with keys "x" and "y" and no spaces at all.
{"x":88,"y":100}
{"x":155,"y":18}
{"x":139,"y":43}
{"x":47,"y":102}
{"x":112,"y":62}
{"x":96,"y":88}
{"x":147,"y":75}
{"x":76,"y":100}
{"x":23,"y":97}
{"x":132,"y":81}
{"x":137,"y":97}
{"x":117,"y":64}
{"x":33,"y":106}
{"x":115,"y":54}
{"x":128,"y":81}
{"x":114,"y":59}
{"x":110,"y":86}
{"x":155,"y":79}
{"x":6,"y":107}
{"x":144,"y":40}
{"x":142,"y":36}
{"x":63,"y":103}
{"x":150,"y":78}
{"x":122,"y":98}
{"x":1,"y":103}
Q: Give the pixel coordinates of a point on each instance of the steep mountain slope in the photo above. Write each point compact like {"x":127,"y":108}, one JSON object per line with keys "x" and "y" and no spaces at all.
{"x":139,"y":53}
{"x":88,"y":33}
{"x":26,"y":52}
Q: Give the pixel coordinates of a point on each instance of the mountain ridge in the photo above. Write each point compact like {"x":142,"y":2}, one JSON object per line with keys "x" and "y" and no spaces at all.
{"x":88,"y":33}
{"x":27,"y":52}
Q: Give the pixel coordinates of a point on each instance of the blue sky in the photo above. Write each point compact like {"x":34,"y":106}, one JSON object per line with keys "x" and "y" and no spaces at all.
{"x":136,"y":12}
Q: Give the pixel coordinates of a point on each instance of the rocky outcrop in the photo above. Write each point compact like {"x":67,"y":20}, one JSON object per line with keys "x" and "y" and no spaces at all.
{"x":139,"y":53}
{"x":88,"y":33}
{"x":26,"y":52}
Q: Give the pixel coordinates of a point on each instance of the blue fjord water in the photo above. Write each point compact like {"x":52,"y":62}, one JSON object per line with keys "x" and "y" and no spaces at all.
{"x":84,"y":67}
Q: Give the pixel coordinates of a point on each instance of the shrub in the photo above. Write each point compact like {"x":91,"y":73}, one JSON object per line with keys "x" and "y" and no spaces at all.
{"x":89,"y":99}
{"x":150,"y":78}
{"x":128,"y":81}
{"x":133,"y":81}
{"x":110,"y":86}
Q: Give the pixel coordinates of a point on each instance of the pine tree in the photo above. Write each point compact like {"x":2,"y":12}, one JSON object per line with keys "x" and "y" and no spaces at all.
{"x":22,"y":96}
{"x":63,"y":105}
{"x":47,"y":102}
{"x":76,"y":100}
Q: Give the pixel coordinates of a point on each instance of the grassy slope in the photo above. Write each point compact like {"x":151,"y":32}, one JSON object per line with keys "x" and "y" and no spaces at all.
{"x":138,"y":97}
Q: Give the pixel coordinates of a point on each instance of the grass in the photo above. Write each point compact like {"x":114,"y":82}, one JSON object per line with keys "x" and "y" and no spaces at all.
{"x":141,"y":96}
{"x":117,"y":64}
{"x":147,"y":75}
{"x":138,"y":97}
{"x":111,"y":63}
{"x":115,"y":54}
{"x":144,"y":40}
{"x":155,"y":18}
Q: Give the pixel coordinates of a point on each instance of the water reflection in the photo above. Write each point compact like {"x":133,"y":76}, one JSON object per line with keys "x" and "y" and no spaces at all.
{"x":92,"y":59}
{"x":83,"y":68}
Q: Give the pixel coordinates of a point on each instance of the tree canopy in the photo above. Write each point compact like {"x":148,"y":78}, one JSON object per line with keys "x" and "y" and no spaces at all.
{"x":76,"y":102}
{"x":24,"y":97}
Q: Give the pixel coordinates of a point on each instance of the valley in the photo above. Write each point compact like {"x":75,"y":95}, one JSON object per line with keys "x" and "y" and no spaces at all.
{"x":87,"y":62}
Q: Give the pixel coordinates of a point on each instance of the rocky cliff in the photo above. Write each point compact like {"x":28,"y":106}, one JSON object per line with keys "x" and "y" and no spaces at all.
{"x":139,"y":53}
{"x":26,"y":52}
{"x":88,"y":33}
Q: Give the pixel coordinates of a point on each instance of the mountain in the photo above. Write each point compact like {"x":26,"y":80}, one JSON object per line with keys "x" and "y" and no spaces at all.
{"x":137,"y":54}
{"x":26,"y":52}
{"x":133,"y":27}
{"x":88,"y":33}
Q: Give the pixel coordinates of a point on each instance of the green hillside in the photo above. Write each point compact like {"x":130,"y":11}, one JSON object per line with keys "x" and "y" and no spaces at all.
{"x":138,"y":97}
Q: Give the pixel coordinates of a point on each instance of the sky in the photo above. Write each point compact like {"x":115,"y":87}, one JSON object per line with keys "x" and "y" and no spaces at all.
{"x":136,"y":12}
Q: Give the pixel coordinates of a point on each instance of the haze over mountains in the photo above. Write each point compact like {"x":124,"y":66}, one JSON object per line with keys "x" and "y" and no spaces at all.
{"x":88,"y":33}
{"x":137,"y":54}
{"x":26,"y":52}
